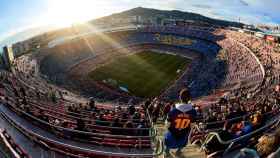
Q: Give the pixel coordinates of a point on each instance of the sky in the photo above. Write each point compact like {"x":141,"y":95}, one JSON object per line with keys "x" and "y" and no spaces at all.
{"x":19,"y":15}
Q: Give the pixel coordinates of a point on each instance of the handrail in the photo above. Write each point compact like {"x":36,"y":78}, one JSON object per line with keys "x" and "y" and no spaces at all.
{"x":15,"y":153}
{"x":244,"y":136}
{"x":84,"y":115}
{"x":65,"y":101}
{"x":31,"y":135}
{"x":92,"y":125}
{"x":275,"y":154}
{"x":74,"y":117}
{"x":108,"y":127}
{"x":209,"y":123}
{"x":247,"y":150}
{"x":239,"y":117}
{"x":100,"y":126}
{"x":190,"y":133}
{"x":196,"y":127}
{"x":8,"y":144}
{"x":153,"y":130}
{"x":231,"y":142}
{"x":149,"y":118}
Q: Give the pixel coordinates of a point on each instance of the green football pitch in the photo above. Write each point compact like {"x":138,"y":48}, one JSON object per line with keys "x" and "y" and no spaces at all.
{"x":144,"y":74}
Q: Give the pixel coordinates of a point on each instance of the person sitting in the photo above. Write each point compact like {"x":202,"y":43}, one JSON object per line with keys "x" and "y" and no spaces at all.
{"x":124,"y":116}
{"x":100,"y":120}
{"x":131,"y":109}
{"x":25,"y":107}
{"x":212,"y":117}
{"x":128,"y":124}
{"x":198,"y":111}
{"x":24,"y":101}
{"x":146,"y":104}
{"x":15,"y":92}
{"x":80,"y":125}
{"x":42,"y":116}
{"x":241,"y":111}
{"x":57,"y":122}
{"x":151,"y":108}
{"x":245,"y":128}
{"x":38,"y":95}
{"x":118,"y":109}
{"x":53,"y":97}
{"x":166,"y":110}
{"x":256,"y":120}
{"x":117,"y":127}
{"x":141,"y":128}
{"x":136,"y":117}
{"x":266,"y":109}
{"x":156,"y":111}
{"x":129,"y":128}
{"x":268,"y":144}
{"x":109,"y":116}
{"x":92,"y":104}
{"x":22,"y":91}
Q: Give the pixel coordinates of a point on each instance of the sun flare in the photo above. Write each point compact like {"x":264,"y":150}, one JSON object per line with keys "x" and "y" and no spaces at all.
{"x":67,"y":12}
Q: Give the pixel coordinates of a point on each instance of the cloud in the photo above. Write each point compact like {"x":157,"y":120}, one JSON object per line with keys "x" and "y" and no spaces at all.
{"x":202,"y":6}
{"x":243,"y":2}
{"x":249,"y":11}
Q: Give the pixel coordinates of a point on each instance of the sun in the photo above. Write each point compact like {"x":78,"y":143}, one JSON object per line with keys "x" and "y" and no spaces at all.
{"x":67,"y":12}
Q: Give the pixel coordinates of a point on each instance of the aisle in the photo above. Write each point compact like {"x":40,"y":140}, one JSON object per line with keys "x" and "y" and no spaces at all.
{"x":190,"y":151}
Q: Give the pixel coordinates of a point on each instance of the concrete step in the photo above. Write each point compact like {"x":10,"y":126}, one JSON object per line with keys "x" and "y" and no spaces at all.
{"x":190,"y":151}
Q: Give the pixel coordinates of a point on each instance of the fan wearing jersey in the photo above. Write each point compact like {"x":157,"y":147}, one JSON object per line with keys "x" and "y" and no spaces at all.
{"x":180,"y":118}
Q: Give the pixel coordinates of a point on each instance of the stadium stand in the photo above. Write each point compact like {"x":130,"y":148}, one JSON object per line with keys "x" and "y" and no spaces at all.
{"x":242,"y":67}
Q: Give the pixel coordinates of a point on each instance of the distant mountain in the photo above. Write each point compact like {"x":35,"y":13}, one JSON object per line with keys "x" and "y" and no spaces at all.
{"x":143,"y":12}
{"x":148,"y":13}
{"x":26,"y":34}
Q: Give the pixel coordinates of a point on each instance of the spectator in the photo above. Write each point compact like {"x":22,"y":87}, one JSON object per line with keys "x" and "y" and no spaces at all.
{"x":268,"y":144}
{"x":156,"y":111}
{"x":128,"y":124}
{"x":180,"y":118}
{"x":22,"y":91}
{"x":117,"y":127}
{"x":166,"y":110}
{"x":257,"y":120}
{"x":131,"y":109}
{"x":244,"y":127}
{"x":129,"y":128}
{"x":92,"y":104}
{"x":42,"y":116}
{"x":80,"y":125}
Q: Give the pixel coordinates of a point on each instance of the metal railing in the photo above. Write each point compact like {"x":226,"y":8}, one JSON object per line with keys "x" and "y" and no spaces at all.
{"x":15,"y":149}
{"x":275,"y":122}
{"x":246,"y":151}
{"x":82,"y":132}
{"x":239,"y":118}
{"x":68,"y":148}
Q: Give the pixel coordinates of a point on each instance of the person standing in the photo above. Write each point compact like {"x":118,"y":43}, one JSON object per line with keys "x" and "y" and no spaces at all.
{"x":180,"y":119}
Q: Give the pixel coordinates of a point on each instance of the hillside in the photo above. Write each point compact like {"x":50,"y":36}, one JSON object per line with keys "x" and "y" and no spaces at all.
{"x":176,"y":14}
{"x":145,"y":13}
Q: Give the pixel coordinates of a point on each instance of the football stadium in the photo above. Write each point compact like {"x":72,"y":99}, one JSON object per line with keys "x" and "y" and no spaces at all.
{"x":138,"y":88}
{"x":134,"y":70}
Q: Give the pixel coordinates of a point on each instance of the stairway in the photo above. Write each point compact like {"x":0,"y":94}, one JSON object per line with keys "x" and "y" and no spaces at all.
{"x":190,"y":151}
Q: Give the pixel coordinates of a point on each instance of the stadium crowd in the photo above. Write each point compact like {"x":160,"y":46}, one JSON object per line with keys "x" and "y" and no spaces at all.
{"x":267,"y":52}
{"x":230,"y":118}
